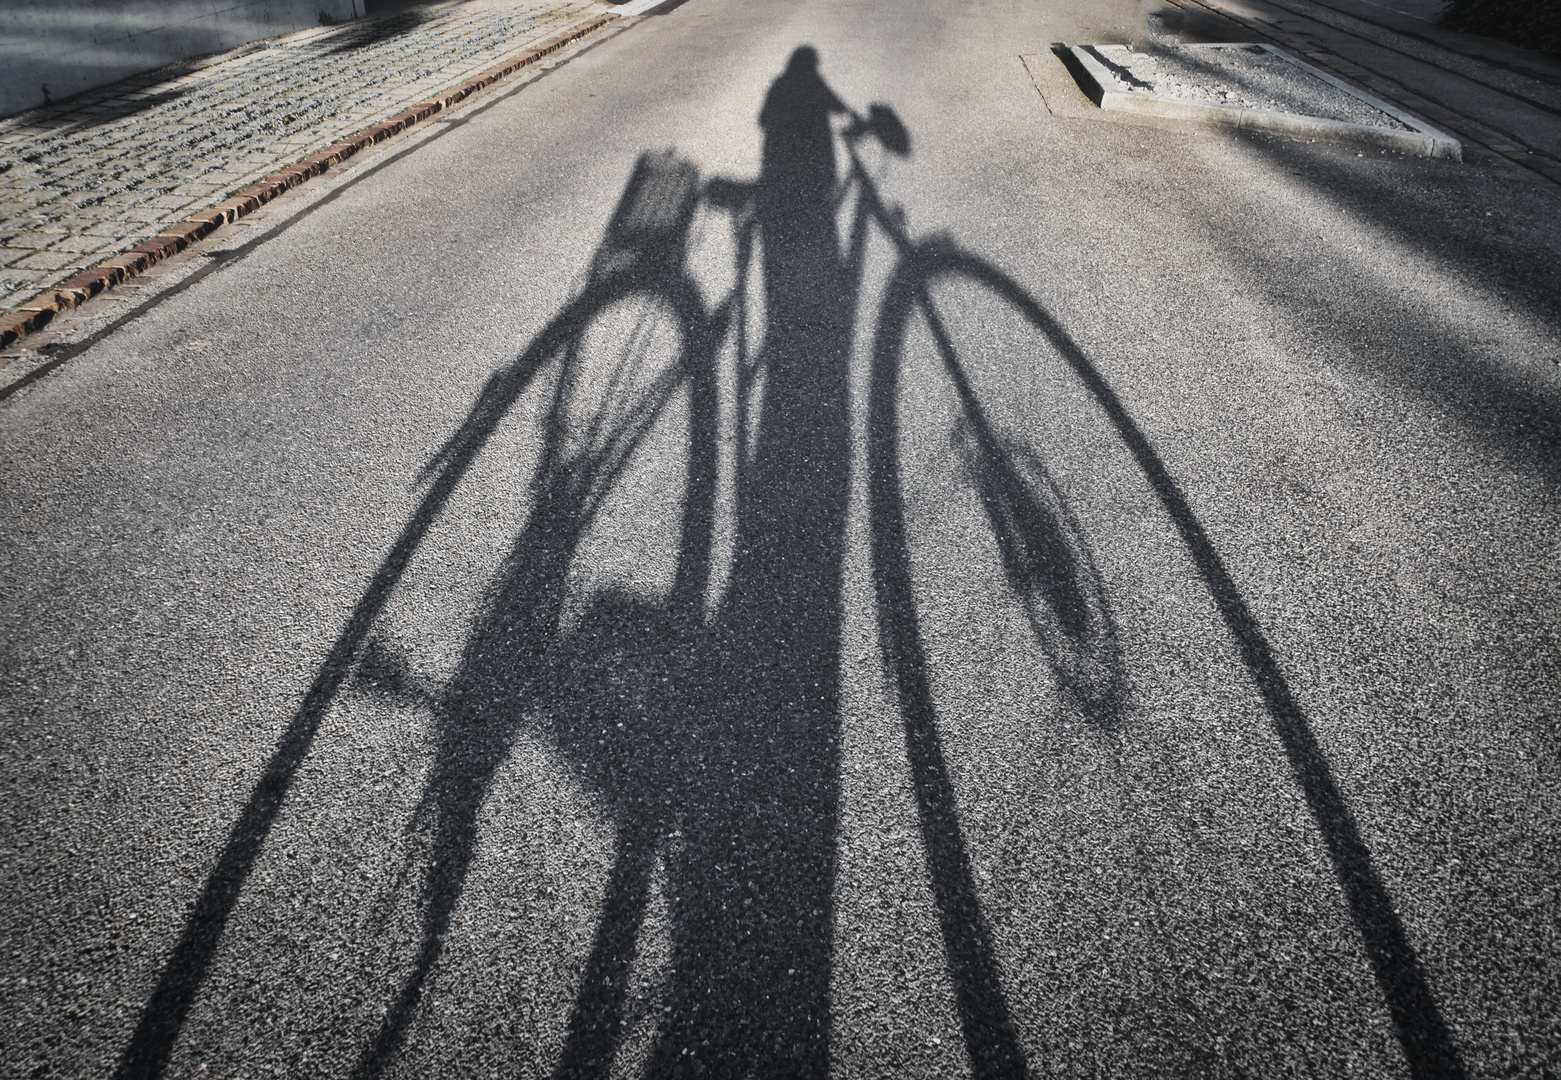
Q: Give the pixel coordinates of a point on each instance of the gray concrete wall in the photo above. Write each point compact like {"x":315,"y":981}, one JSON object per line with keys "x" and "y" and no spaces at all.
{"x":51,"y":49}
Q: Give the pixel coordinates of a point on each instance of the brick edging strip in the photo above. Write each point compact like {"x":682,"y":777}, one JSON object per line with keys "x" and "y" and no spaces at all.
{"x":72,"y":292}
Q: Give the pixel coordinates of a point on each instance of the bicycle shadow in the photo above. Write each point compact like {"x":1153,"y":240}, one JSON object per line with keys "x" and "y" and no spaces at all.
{"x":712,"y":739}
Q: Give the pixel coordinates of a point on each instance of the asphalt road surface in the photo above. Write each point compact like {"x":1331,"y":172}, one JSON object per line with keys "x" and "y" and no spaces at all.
{"x":682,"y":574}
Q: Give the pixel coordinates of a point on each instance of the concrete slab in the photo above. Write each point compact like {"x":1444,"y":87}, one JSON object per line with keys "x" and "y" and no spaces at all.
{"x":1194,"y":87}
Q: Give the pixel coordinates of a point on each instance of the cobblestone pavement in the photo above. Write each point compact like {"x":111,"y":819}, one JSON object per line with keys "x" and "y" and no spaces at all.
{"x":86,"y":180}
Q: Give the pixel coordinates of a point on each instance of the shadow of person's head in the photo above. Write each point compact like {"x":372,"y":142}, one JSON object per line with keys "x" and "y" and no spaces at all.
{"x":804,"y":60}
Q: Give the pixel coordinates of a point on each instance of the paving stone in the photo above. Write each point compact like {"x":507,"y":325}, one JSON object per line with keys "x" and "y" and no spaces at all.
{"x":141,"y":214}
{"x":83,"y":245}
{"x":111,"y":229}
{"x":121,"y":163}
{"x":30,"y":242}
{"x":47,"y":261}
{"x":167,"y":202}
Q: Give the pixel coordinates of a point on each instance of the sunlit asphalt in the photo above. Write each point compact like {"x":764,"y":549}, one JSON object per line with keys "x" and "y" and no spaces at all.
{"x":1109,"y":631}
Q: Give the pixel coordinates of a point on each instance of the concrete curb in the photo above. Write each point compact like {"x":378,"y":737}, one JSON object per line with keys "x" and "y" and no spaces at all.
{"x":75,"y":291}
{"x":1422,"y":139}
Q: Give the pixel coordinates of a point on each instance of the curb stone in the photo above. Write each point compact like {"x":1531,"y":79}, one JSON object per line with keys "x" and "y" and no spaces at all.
{"x":73,"y":292}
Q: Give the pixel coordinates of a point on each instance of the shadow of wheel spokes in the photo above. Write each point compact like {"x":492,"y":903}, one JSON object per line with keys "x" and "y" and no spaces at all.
{"x":1045,"y":552}
{"x":189,"y":963}
{"x":636,"y":353}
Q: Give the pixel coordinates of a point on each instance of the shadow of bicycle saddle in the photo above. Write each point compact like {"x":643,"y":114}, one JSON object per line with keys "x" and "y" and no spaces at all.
{"x":649,"y":228}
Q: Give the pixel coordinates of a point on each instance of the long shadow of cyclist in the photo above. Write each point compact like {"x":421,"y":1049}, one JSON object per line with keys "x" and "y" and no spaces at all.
{"x":750,"y":878}
{"x":713,"y":739}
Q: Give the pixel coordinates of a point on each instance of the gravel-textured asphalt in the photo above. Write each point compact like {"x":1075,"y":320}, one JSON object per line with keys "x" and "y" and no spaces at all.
{"x":455,"y":638}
